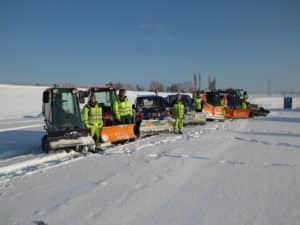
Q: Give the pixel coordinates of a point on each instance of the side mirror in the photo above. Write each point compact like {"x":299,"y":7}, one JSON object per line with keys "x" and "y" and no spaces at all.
{"x":81,"y":97}
{"x":46,"y":97}
{"x":133,"y":106}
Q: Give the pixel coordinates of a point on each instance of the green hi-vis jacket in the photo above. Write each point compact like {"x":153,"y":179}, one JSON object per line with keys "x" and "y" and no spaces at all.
{"x":198,"y":102}
{"x":244,"y":105}
{"x":122,"y":108}
{"x":222,"y":102}
{"x":178,"y":110}
{"x":92,"y":115}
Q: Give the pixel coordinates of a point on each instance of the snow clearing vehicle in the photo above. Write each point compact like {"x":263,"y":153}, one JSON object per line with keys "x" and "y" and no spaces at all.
{"x":112,"y":132}
{"x":234,"y":97}
{"x":255,"y":110}
{"x":63,"y":122}
{"x":232,"y":101}
{"x":191,"y":117}
{"x":152,"y":115}
{"x":212,"y":107}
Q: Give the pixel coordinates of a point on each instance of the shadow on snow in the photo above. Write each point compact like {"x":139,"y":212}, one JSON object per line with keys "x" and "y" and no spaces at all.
{"x":20,"y":142}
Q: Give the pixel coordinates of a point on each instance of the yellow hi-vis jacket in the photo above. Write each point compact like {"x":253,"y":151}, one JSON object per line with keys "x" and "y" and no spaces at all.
{"x":122,"y":108}
{"x":178,"y":110}
{"x":198,"y":102}
{"x":92,"y":115}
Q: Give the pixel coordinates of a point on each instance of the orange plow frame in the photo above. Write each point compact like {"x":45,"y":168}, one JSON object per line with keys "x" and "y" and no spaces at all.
{"x":214,"y":112}
{"x":237,"y":113}
{"x":118,"y":133}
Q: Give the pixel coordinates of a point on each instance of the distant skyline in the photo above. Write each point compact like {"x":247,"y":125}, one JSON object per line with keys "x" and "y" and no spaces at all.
{"x":241,"y":43}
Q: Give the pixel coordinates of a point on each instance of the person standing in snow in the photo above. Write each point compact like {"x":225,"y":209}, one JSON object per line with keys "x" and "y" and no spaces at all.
{"x":122,"y":108}
{"x":198,"y":102}
{"x":179,"y":111}
{"x":92,"y":117}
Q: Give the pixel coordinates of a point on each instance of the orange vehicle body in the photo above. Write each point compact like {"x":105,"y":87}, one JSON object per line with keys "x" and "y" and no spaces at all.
{"x":214,"y":112}
{"x":232,"y":109}
{"x":237,"y":113}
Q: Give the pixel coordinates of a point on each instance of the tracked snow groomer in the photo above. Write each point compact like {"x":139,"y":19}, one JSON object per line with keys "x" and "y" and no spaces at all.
{"x":63,"y":122}
{"x":112,"y":132}
{"x":152,"y":115}
{"x":191,"y":117}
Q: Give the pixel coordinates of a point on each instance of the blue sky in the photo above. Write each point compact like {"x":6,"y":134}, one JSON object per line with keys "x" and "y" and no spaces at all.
{"x":242,"y":43}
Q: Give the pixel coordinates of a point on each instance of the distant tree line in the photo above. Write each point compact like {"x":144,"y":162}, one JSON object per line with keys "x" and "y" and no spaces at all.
{"x":155,"y":85}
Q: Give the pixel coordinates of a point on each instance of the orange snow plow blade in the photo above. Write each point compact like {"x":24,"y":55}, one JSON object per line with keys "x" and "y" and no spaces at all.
{"x":118,"y":133}
{"x":237,"y":113}
{"x":214,"y":112}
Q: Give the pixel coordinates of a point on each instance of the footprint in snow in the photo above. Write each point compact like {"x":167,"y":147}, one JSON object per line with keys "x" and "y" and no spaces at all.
{"x":266,"y":164}
{"x":153,"y":155}
{"x":39,"y":212}
{"x":232,"y":162}
{"x":101,"y":182}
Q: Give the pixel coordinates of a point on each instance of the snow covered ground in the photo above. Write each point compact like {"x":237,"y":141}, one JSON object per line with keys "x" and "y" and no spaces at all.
{"x":244,"y":172}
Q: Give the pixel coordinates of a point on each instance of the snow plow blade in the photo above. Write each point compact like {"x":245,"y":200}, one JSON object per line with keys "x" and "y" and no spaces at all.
{"x":73,"y":143}
{"x":256,"y":110}
{"x":194,"y":118}
{"x":118,"y":133}
{"x":214,"y":112}
{"x":237,"y":113}
{"x":78,"y":140}
{"x":150,"y":127}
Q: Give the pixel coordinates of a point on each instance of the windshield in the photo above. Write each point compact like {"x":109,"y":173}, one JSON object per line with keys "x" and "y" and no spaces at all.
{"x":105,"y":97}
{"x":186,"y":100}
{"x":233,"y":101}
{"x":213,"y":99}
{"x":66,"y":112}
{"x":150,"y":102}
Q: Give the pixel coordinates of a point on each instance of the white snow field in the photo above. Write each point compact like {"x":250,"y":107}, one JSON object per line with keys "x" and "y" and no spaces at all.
{"x":239,"y":172}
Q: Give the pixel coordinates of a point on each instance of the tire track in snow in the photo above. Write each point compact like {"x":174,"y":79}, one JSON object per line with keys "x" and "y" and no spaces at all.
{"x":50,"y":161}
{"x":255,"y":140}
{"x":34,"y":165}
{"x":22,"y":127}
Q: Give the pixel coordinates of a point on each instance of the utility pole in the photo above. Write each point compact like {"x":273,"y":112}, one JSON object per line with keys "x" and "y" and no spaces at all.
{"x":195,"y":81}
{"x":269,"y":87}
{"x":199,"y":81}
